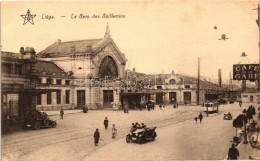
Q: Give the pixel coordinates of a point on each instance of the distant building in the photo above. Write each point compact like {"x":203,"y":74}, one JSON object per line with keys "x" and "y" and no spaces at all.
{"x":171,"y":88}
{"x":250,"y":96}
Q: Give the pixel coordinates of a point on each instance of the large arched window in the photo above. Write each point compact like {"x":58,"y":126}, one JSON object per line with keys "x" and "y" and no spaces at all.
{"x":172,"y":82}
{"x":108,"y":68}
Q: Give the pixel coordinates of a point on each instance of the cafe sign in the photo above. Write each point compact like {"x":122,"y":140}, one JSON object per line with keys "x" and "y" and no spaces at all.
{"x":246,"y":72}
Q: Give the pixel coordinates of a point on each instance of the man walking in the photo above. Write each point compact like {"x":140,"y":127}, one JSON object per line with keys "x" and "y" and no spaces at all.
{"x":61,"y":113}
{"x":240,"y":103}
{"x":233,"y":153}
{"x":200,"y":117}
{"x":106,"y":123}
{"x":114,"y":131}
{"x":96,"y":137}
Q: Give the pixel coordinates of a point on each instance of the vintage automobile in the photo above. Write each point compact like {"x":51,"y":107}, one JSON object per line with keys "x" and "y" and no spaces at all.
{"x":150,"y":105}
{"x":227,"y":116}
{"x":36,"y":119}
{"x":141,"y":135}
{"x":222,"y":101}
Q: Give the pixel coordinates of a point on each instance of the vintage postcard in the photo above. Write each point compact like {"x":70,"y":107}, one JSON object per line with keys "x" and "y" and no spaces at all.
{"x":130,"y":80}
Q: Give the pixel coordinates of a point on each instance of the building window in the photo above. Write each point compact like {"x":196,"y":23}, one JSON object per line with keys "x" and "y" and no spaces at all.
{"x":58,"y":81}
{"x":48,"y":98}
{"x":18,"y":69}
{"x":6,"y":68}
{"x":172,"y":82}
{"x":67,"y":95}
{"x":49,"y":81}
{"x":67,"y":82}
{"x":39,"y":99}
{"x":187,"y":86}
{"x":159,"y":87}
{"x":58,"y":97}
{"x":38,"y":80}
{"x":245,"y":96}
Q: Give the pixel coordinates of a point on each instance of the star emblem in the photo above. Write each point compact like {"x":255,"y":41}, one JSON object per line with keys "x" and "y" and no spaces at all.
{"x":28,"y":17}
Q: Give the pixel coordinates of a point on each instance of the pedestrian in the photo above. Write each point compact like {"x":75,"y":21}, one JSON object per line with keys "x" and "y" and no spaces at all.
{"x":133,"y":128}
{"x":233,"y":153}
{"x":177,"y":104}
{"x":61,"y":113}
{"x":96,"y":137}
{"x":200,"y":117}
{"x":240,"y":103}
{"x":126,"y":108}
{"x":114,"y":131}
{"x":106,"y":123}
{"x":196,"y":119}
{"x":85,"y":109}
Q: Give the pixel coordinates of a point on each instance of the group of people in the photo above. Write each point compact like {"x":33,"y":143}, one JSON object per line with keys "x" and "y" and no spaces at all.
{"x":97,"y":134}
{"x":249,"y":112}
{"x":137,"y":126}
{"x":227,"y":116}
{"x":200,"y":117}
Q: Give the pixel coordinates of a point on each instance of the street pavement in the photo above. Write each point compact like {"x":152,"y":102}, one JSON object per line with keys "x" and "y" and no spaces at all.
{"x":179,"y":137}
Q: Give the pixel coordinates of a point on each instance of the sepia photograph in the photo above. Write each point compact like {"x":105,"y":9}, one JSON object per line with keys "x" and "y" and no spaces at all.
{"x":114,"y":80}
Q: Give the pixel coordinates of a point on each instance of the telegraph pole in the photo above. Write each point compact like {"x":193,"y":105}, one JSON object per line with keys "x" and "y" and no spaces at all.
{"x":258,"y":24}
{"x":198,"y":84}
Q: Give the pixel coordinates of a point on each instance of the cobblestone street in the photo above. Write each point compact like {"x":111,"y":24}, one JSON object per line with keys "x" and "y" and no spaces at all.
{"x":179,"y":137}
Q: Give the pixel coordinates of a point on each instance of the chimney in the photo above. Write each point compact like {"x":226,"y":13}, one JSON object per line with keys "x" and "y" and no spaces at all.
{"x":59,"y":41}
{"x":219,"y":78}
{"x":134,"y":70}
{"x":21,"y":52}
{"x":29,"y":53}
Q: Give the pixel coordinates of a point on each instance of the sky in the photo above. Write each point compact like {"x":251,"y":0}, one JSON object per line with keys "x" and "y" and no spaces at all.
{"x":155,"y":36}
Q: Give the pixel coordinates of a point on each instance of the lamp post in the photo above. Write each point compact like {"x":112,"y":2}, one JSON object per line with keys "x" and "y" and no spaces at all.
{"x":198,"y":83}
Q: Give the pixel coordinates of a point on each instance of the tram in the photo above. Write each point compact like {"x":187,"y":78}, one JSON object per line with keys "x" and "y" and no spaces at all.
{"x":211,"y":107}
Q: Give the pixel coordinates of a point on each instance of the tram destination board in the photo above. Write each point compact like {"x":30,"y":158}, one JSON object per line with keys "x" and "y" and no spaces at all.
{"x":246,"y":72}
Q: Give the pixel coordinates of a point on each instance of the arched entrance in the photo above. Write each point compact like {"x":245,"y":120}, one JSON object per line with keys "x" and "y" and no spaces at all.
{"x":108,"y":70}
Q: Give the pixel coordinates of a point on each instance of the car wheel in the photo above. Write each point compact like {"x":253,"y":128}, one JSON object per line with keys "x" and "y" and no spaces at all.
{"x":54,"y":124}
{"x":153,"y":138}
{"x":140,"y":141}
{"x":128,"y":139}
{"x":37,"y":126}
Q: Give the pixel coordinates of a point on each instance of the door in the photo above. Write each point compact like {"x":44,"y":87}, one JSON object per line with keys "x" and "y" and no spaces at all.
{"x":251,"y":98}
{"x":172,"y":97}
{"x":159,"y":98}
{"x":187,"y":97}
{"x":81,"y":98}
{"x":108,"y":98}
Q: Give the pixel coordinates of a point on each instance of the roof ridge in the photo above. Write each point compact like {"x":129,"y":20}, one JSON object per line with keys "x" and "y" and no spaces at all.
{"x":80,"y":40}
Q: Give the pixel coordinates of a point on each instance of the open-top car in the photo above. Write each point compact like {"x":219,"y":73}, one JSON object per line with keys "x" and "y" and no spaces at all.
{"x":36,"y":119}
{"x":150,"y":104}
{"x":141,"y":135}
